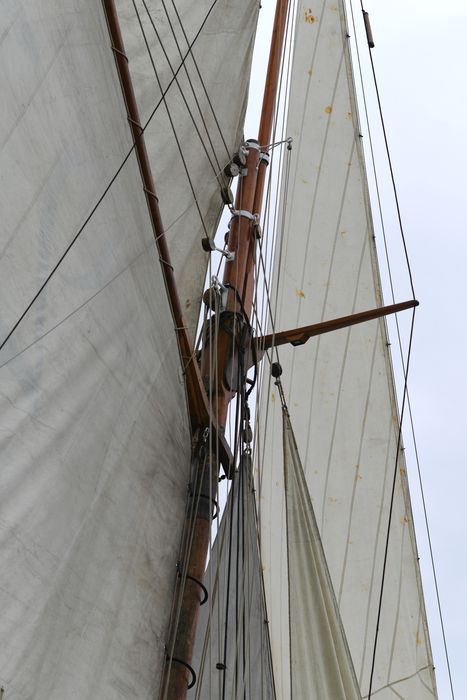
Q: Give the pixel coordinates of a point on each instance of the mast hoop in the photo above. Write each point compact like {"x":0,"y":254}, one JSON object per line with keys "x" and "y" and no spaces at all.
{"x":252,"y":143}
{"x":242,"y":212}
{"x":184,"y":663}
{"x":121,"y":53}
{"x":201,"y":585}
{"x":217,"y":509}
{"x":152,"y":194}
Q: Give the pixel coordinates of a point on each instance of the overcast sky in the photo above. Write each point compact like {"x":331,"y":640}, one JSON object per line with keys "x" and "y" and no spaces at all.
{"x":420,"y":61}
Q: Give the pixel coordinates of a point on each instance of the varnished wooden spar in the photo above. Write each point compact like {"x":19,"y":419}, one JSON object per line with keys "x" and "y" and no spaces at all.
{"x":239,"y":278}
{"x":299,"y":336}
{"x":198,"y":404}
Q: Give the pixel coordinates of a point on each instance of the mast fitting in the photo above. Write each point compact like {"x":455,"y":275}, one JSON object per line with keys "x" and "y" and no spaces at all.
{"x":243,"y":212}
{"x":252,"y":143}
{"x":237,"y":164}
{"x":227,"y":196}
{"x":173,"y":659}
{"x":209,"y":246}
{"x":369,"y":33}
{"x":215,"y":297}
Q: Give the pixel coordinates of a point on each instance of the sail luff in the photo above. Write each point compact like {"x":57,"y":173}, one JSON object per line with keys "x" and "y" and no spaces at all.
{"x":198,"y":404}
{"x":320,"y":663}
{"x":82,"y":480}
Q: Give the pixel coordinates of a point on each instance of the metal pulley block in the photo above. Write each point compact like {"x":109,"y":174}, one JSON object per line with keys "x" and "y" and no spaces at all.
{"x":215,"y":297}
{"x":209,"y":246}
{"x":237,"y":164}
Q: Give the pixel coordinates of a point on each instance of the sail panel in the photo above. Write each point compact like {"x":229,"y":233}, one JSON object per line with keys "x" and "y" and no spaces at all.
{"x":199,"y":125}
{"x":95,"y":439}
{"x":320,"y":663}
{"x":233,"y":627}
{"x":339,"y":386}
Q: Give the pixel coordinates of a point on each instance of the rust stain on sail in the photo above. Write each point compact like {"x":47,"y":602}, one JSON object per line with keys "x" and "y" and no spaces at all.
{"x":309,"y":16}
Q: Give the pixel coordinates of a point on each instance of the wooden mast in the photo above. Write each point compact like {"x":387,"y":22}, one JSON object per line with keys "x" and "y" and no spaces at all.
{"x":238,"y":279}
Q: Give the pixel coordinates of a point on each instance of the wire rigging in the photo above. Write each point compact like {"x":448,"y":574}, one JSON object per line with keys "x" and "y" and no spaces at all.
{"x":108,"y":186}
{"x":180,"y":149}
{"x":391,"y":503}
{"x":391,"y":169}
{"x":195,"y":63}
{"x":182,"y":94}
{"x":391,"y":283}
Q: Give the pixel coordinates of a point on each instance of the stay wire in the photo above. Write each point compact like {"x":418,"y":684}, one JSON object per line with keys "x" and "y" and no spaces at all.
{"x":391,"y":169}
{"x":195,"y":63}
{"x":258,"y":447}
{"x":108,"y":186}
{"x":282,"y":100}
{"x":182,"y":94}
{"x":177,"y":141}
{"x":229,"y":566}
{"x":80,"y":306}
{"x":390,"y":277}
{"x":391,"y":503}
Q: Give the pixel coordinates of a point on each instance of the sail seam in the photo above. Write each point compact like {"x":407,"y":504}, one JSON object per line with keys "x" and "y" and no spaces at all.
{"x":169,"y":115}
{"x":401,"y":680}
{"x":195,"y":63}
{"x":182,"y":94}
{"x":107,"y":188}
{"x":393,"y":490}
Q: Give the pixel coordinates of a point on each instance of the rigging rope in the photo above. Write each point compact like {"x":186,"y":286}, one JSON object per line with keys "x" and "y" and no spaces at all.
{"x":390,"y":278}
{"x":195,"y":63}
{"x":393,"y":490}
{"x":109,"y":185}
{"x":182,"y":94}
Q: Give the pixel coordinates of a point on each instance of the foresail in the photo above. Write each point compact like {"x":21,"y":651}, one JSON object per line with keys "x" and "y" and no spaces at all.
{"x":95,"y":436}
{"x":320,"y":663}
{"x":199,"y":124}
{"x":339,"y":387}
{"x":232,"y":656}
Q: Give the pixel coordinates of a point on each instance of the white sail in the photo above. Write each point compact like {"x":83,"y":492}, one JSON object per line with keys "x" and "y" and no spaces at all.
{"x":213,"y":88}
{"x":232,"y":653}
{"x":339,"y":386}
{"x":95,"y":447}
{"x":320,"y":663}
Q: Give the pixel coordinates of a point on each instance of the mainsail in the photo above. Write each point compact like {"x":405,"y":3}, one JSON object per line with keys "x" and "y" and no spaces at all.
{"x":95,"y":433}
{"x":339,"y":387}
